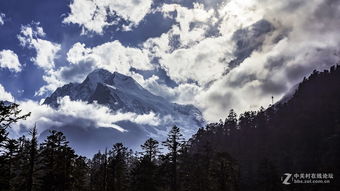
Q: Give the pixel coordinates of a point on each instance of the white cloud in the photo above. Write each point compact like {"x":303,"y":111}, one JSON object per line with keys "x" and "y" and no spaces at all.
{"x":95,"y":15}
{"x":192,"y":24}
{"x":200,"y":63}
{"x":30,"y":36}
{"x":53,"y":81}
{"x":2,"y":17}
{"x":8,"y":59}
{"x":5,"y":96}
{"x":46,"y":53}
{"x":112,"y":56}
{"x":239,"y":14}
{"x":181,"y":94}
{"x":188,"y":52}
{"x":305,"y":44}
{"x":72,"y":112}
{"x":304,"y":38}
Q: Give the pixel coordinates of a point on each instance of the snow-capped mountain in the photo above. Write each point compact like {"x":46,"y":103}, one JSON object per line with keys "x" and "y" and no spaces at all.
{"x":123,"y":94}
{"x":120,"y":92}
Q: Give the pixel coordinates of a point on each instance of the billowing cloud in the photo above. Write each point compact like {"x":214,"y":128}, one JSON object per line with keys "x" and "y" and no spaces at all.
{"x":46,"y":52}
{"x":298,"y":44}
{"x":75,"y":112}
{"x":95,"y":15}
{"x":184,"y":65}
{"x":261,"y":49}
{"x":9,"y":60}
{"x":182,"y":94}
{"x":201,"y":46}
{"x":185,"y":52}
{"x":191,"y":25}
{"x":4,"y":95}
{"x":30,"y":36}
{"x":112,"y":56}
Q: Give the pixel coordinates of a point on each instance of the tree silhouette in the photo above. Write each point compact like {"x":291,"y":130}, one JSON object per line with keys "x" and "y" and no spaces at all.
{"x":174,"y":143}
{"x":144,"y":171}
{"x":150,"y":148}
{"x":9,"y":113}
{"x":33,"y":152}
{"x":57,"y":160}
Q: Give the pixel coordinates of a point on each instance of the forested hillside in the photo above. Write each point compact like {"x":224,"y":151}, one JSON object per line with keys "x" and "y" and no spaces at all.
{"x":250,"y":151}
{"x":301,"y":135}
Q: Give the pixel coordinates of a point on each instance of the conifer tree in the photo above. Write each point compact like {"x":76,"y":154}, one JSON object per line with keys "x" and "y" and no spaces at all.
{"x":174,"y":143}
{"x":150,"y":148}
{"x":57,"y":160}
{"x":144,"y":172}
{"x":33,"y":154}
{"x":9,"y":113}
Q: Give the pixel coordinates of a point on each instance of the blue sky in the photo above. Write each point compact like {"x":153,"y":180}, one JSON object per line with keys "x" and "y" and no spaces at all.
{"x":214,"y":54}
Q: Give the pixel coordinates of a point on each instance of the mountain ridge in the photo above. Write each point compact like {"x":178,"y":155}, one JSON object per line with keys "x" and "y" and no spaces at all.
{"x":122,"y":94}
{"x":119,"y":92}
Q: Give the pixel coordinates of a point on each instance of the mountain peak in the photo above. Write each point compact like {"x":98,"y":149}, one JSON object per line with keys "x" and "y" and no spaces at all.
{"x":104,"y":76}
{"x":121,"y":77}
{"x":121,"y":93}
{"x":100,"y":71}
{"x":99,"y":76}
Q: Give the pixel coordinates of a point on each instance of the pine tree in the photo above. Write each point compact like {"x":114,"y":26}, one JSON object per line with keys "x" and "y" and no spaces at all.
{"x":150,"y":148}
{"x":8,"y":159}
{"x":98,"y":166}
{"x":144,"y":171}
{"x":9,"y":114}
{"x":118,"y":173}
{"x":57,"y":160}
{"x":80,"y":174}
{"x":20,"y":165}
{"x":230,"y":123}
{"x":174,"y":143}
{"x":33,"y":152}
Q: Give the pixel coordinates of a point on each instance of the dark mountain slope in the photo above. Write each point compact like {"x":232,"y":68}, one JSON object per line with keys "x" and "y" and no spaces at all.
{"x":301,"y":135}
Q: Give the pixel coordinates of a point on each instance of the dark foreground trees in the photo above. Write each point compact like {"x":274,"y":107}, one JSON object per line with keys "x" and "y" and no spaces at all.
{"x":9,"y":148}
{"x":177,"y":168}
{"x":53,"y":165}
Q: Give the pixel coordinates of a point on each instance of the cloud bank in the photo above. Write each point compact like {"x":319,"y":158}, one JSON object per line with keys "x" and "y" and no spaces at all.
{"x":79,"y":112}
{"x":261,"y":49}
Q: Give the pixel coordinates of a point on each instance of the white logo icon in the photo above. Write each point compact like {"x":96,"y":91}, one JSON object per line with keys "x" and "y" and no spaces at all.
{"x":287,"y":178}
